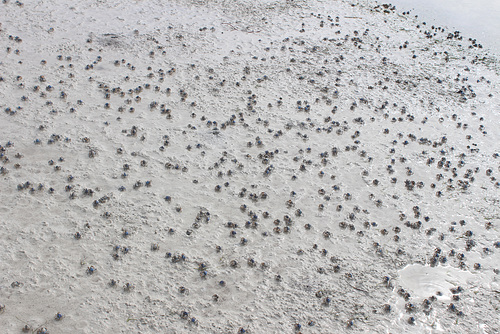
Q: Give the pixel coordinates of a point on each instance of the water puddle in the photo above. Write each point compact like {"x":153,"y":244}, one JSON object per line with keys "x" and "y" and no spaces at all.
{"x":425,"y":281}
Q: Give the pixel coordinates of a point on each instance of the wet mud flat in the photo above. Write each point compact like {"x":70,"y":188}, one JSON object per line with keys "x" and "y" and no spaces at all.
{"x":245,"y":167}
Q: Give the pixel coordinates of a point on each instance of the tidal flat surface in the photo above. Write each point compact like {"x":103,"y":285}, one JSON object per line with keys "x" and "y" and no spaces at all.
{"x":245,"y":167}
